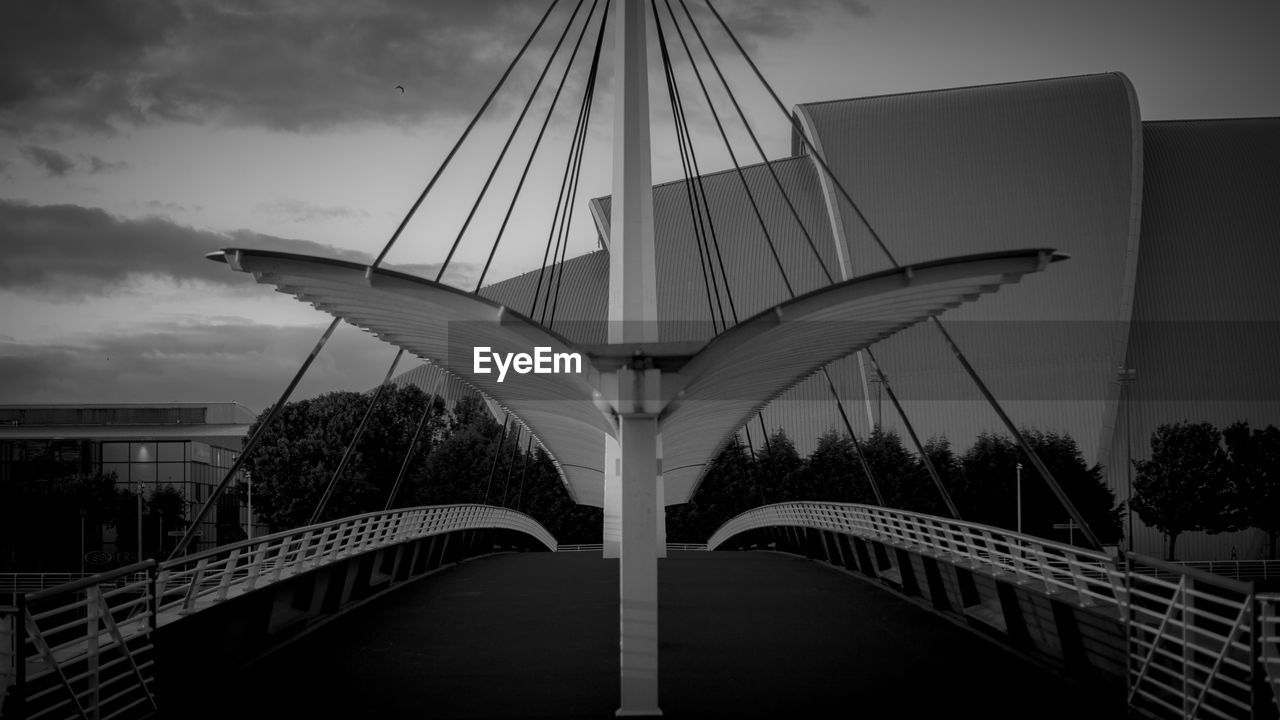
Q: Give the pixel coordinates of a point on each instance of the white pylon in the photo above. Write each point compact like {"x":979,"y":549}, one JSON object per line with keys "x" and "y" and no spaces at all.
{"x":633,"y":316}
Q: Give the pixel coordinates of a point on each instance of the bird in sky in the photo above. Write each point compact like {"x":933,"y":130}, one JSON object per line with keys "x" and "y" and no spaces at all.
{"x":400,"y":88}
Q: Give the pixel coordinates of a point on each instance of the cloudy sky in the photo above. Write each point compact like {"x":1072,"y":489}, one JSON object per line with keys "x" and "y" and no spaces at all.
{"x":137,"y":137}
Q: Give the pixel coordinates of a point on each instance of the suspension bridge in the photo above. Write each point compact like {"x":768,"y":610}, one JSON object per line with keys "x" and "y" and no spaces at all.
{"x":800,"y":608}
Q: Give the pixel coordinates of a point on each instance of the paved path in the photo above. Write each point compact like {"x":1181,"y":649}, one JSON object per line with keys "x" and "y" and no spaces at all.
{"x":743,"y":635}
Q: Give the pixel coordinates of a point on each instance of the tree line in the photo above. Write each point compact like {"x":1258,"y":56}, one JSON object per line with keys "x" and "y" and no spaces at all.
{"x":982,"y":482}
{"x":1198,"y":479}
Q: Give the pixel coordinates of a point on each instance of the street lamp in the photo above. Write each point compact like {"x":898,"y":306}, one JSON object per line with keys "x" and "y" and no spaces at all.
{"x":1126,"y":377}
{"x":248,"y":478}
{"x":1019,"y":467}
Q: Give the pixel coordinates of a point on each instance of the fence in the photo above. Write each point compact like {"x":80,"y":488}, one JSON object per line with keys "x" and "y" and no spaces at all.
{"x":1093,"y":577}
{"x":1192,"y":642}
{"x":1201,"y":645}
{"x":84,"y":649}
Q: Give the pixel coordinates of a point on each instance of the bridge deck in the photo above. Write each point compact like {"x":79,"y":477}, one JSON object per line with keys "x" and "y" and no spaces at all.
{"x":742,"y":635}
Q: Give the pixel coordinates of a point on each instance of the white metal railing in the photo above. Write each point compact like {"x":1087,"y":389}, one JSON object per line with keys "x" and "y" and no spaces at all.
{"x":1093,"y":577}
{"x":1192,"y":643}
{"x":8,"y":650}
{"x":1249,"y":570}
{"x":83,"y":649}
{"x":597,"y":547}
{"x":191,"y":583}
{"x":18,"y":583}
{"x":1269,"y":641}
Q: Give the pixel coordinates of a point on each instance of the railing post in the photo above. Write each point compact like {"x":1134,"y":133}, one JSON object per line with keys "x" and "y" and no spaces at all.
{"x":19,"y":694}
{"x":93,"y":609}
{"x":1188,"y":588}
{"x":228,"y":570}
{"x":153,"y":602}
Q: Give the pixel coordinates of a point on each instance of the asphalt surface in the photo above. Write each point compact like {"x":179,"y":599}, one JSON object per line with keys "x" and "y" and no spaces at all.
{"x":743,"y":635}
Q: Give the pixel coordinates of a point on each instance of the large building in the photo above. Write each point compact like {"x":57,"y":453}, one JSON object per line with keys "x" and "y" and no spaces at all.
{"x":186,"y":446}
{"x":1172,"y":228}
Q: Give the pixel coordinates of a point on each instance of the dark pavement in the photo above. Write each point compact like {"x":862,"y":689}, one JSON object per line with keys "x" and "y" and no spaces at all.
{"x":743,"y":635}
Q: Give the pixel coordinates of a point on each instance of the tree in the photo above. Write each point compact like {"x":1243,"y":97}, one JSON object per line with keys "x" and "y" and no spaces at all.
{"x":1184,"y":487}
{"x":948,"y":467}
{"x":781,"y":468}
{"x":834,"y":473}
{"x":299,"y":453}
{"x":988,"y":492}
{"x":902,"y":479}
{"x":1255,"y":469}
{"x":41,"y":519}
{"x":728,"y":488}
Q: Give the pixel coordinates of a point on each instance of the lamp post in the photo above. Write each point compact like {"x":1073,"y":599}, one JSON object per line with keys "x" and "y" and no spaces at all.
{"x":248,"y":478}
{"x":1019,"y":494}
{"x":1126,"y":378}
{"x":82,"y":514}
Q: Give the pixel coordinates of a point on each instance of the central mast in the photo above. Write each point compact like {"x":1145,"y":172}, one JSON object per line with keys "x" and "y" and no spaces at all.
{"x":633,"y":319}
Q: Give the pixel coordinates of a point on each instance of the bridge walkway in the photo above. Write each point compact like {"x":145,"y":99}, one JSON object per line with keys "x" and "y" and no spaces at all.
{"x":743,"y":635}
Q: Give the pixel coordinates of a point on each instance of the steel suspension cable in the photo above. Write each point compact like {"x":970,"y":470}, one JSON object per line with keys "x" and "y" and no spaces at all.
{"x":839,"y":404}
{"x":252,"y":444}
{"x":515,"y":128}
{"x":706,"y":49}
{"x":755,"y":208}
{"x":704,"y":205}
{"x":552,"y":234}
{"x":497,"y":454}
{"x":511,"y":466}
{"x":1026,"y":447}
{"x":538,"y":141}
{"x":524,"y":467}
{"x":804,"y":138}
{"x":704,"y":255}
{"x":465,"y":133}
{"x":915,"y":439}
{"x":355,"y":439}
{"x":755,"y":467}
{"x":857,"y":446}
{"x":685,"y":137}
{"x":426,"y":412}
{"x":577,"y":172}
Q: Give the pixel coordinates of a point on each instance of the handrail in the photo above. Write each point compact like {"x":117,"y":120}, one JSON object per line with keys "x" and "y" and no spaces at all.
{"x":112,"y":615}
{"x":1095,"y":577}
{"x":1191,"y":634}
{"x":90,"y":581}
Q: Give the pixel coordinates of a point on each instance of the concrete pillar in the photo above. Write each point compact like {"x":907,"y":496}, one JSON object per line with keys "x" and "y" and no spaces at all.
{"x":612,"y":497}
{"x":638,"y":571}
{"x":633,"y":318}
{"x":661,"y":510}
{"x":660,"y":514}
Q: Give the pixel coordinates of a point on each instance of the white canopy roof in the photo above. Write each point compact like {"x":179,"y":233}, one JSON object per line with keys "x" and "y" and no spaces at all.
{"x":709,"y":391}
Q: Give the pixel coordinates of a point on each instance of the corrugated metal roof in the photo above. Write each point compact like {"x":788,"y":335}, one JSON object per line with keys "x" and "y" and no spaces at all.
{"x":1053,"y":162}
{"x":1205,"y":342}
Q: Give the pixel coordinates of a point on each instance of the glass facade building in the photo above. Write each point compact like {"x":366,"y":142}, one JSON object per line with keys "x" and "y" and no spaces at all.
{"x":180,"y":450}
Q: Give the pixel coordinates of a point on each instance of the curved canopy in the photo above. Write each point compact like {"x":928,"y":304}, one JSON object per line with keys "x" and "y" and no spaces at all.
{"x":708,"y":393}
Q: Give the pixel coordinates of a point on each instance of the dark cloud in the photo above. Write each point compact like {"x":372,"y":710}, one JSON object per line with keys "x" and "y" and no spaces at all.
{"x":166,"y":206}
{"x":239,"y":361}
{"x":750,"y":19}
{"x":301,"y":211}
{"x":98,"y":165}
{"x":288,"y":66}
{"x":51,"y":161}
{"x":72,"y":252}
{"x":293,"y":66}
